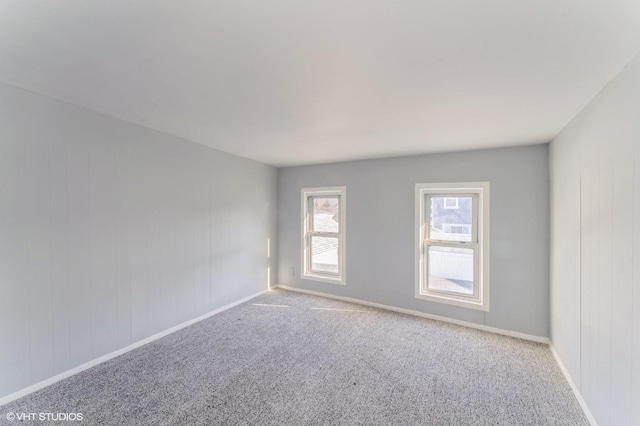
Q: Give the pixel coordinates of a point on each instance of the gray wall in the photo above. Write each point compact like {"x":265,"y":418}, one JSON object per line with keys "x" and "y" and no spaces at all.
{"x":380,"y":230}
{"x":111,"y":232}
{"x":595,"y":286}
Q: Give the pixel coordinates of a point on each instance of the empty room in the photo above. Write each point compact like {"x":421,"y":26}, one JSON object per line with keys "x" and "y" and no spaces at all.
{"x":289,"y":212}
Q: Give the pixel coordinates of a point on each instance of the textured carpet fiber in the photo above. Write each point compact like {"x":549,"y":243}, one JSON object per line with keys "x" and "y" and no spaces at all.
{"x":290,"y":359}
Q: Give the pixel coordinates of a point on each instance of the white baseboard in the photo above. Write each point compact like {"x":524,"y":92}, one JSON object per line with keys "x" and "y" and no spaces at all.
{"x":517,"y":334}
{"x":574,"y":388}
{"x":538,"y":339}
{"x":23,"y":392}
{"x":30,"y":389}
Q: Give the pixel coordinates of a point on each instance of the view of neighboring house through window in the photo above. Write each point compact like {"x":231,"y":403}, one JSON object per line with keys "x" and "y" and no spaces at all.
{"x":323,"y":233}
{"x":452,"y":236}
{"x":450,"y":203}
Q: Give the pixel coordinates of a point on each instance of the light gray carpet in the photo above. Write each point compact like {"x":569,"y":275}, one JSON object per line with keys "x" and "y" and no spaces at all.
{"x":316,"y":361}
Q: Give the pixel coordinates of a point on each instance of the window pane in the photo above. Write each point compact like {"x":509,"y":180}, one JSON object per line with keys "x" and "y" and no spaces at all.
{"x":326,"y":214}
{"x":324,"y":254}
{"x":451,"y":269}
{"x":451,"y":218}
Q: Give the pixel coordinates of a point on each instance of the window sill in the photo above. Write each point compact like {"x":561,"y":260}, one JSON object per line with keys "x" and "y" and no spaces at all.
{"x":469,"y":304}
{"x":323,"y":278}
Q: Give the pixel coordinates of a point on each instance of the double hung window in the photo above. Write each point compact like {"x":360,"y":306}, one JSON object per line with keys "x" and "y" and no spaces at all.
{"x":323,"y":231}
{"x":452,"y":243}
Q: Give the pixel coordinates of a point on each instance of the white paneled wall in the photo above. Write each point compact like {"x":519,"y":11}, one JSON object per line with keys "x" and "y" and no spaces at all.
{"x":595,"y":289}
{"x":635,"y":307}
{"x":110,"y":233}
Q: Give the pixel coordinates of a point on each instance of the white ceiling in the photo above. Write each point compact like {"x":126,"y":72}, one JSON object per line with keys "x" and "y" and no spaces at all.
{"x":290,"y":82}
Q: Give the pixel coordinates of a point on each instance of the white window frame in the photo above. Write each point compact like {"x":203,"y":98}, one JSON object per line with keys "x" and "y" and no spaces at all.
{"x":307,"y":232}
{"x":479,"y":191}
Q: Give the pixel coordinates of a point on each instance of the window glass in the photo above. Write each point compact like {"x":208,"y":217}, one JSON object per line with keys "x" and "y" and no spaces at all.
{"x":451,"y":269}
{"x":326,"y":214}
{"x":448,"y":224}
{"x":324,"y":254}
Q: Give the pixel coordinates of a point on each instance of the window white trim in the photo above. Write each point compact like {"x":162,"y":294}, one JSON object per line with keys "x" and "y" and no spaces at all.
{"x":307,"y":234}
{"x":480,"y":243}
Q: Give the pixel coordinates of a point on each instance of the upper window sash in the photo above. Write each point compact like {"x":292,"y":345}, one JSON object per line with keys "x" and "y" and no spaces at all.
{"x":428,"y":217}
{"x":311,"y":215}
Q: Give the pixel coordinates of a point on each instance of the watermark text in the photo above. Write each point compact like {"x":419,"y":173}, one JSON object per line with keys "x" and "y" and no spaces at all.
{"x":51,"y":417}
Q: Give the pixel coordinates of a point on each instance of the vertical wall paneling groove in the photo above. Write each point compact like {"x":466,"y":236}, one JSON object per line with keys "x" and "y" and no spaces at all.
{"x":14,"y":299}
{"x":79,"y":249}
{"x":603,"y":140}
{"x":106,"y":234}
{"x":581,"y":291}
{"x":202,"y":255}
{"x":621,"y":283}
{"x":585,"y":289}
{"x":219,"y":223}
{"x":211,"y":239}
{"x":193,"y":260}
{"x":123,"y":255}
{"x":592,"y":342}
{"x":182,"y":222}
{"x":604,"y":332}
{"x":595,"y":297}
{"x":104,"y":250}
{"x":164,"y":234}
{"x":568,"y":188}
{"x":59,"y":258}
{"x":171,"y":246}
{"x":154,"y":289}
{"x":39,"y":262}
{"x":166,"y":240}
{"x":635,"y":294}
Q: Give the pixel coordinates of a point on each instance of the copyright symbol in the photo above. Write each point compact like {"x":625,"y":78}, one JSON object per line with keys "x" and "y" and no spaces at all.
{"x":11,"y":417}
